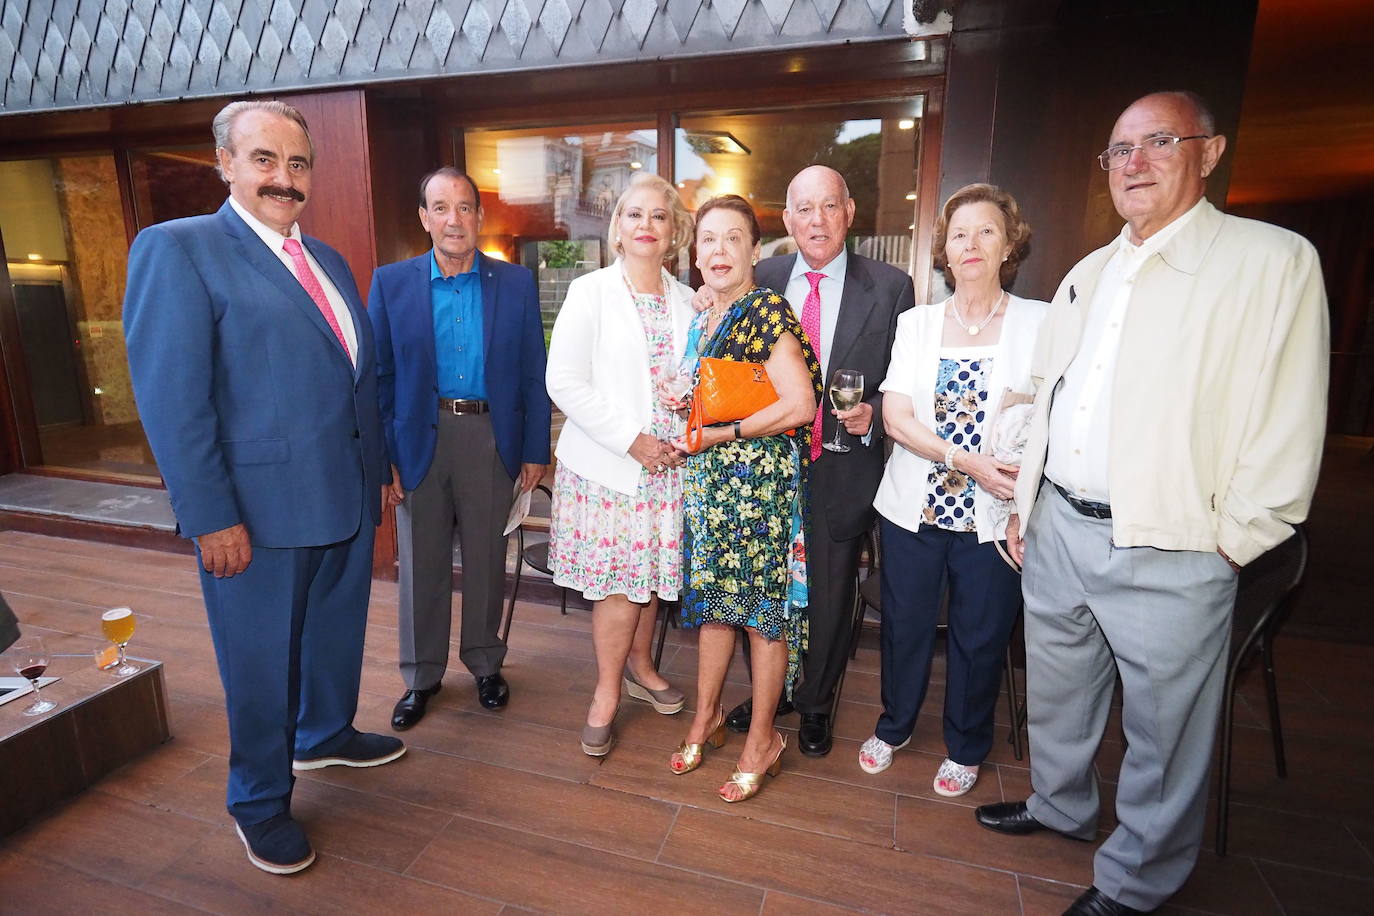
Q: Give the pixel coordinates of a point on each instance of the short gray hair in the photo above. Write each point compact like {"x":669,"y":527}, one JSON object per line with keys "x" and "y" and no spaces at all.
{"x":223,"y":125}
{"x":1201,"y":110}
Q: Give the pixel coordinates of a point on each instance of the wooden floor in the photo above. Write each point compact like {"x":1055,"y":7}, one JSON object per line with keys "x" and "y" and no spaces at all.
{"x":501,"y":812}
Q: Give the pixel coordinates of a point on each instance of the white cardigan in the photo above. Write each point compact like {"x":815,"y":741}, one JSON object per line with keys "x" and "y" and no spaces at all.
{"x":912,"y":372}
{"x":598,"y":374}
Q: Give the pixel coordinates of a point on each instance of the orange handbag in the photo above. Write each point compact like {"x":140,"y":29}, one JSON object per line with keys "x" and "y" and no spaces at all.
{"x":727,"y":390}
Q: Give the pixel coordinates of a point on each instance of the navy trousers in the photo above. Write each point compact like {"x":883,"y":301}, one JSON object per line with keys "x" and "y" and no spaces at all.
{"x":288,"y":634}
{"x":984,"y":597}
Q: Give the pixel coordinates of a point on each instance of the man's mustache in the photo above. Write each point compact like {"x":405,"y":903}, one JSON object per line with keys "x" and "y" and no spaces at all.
{"x":281,"y":192}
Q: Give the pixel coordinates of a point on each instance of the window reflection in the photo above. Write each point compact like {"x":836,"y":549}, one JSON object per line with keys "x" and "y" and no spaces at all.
{"x":547,"y":196}
{"x":66,"y":246}
{"x":172,"y":183}
{"x":875,"y":146}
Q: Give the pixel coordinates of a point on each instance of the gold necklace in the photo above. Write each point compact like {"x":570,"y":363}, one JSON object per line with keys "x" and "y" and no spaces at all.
{"x":973,"y":329}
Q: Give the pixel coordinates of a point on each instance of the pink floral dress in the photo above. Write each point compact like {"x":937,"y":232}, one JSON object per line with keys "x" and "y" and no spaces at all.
{"x":604,"y":543}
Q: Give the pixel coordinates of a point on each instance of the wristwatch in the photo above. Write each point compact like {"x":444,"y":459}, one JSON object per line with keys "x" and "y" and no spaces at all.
{"x":737,"y":432}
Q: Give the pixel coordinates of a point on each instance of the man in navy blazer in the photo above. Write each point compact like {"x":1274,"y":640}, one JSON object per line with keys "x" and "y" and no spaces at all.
{"x":460,"y":371}
{"x":255,"y":373}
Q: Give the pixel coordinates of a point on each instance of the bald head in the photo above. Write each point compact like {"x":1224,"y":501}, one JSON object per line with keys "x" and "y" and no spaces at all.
{"x":1151,"y":193}
{"x":819,"y":213}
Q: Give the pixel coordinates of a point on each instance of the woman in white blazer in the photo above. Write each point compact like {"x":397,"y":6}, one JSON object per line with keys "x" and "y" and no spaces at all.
{"x":942,"y":500}
{"x":616,"y":525}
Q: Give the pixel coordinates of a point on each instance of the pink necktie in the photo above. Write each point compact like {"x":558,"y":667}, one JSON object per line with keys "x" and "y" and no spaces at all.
{"x":811,"y":324}
{"x":312,"y":286}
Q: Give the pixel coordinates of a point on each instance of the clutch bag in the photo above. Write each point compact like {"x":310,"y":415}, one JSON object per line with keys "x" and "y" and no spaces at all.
{"x":727,"y":390}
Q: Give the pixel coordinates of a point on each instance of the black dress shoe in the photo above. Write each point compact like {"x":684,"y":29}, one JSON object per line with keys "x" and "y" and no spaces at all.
{"x":739,"y":718}
{"x":813,"y":735}
{"x":410,"y":708}
{"x":1013,"y":818}
{"x":492,"y":691}
{"x":1095,"y":903}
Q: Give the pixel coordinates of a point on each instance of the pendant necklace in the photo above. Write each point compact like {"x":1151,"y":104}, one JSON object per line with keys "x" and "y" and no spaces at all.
{"x":973,"y":329}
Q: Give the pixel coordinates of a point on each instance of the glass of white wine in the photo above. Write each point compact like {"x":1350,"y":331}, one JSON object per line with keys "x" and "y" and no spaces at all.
{"x":846,"y":391}
{"x":118,"y":626}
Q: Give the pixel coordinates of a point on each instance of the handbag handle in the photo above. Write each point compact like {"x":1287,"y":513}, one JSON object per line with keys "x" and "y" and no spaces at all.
{"x":694,"y":424}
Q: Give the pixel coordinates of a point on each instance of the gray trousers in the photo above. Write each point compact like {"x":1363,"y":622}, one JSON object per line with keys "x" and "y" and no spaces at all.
{"x":467,"y":490}
{"x":1162,"y":621}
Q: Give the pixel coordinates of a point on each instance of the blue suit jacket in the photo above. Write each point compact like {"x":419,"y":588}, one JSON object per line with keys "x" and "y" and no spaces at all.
{"x":253,"y":410}
{"x":407,"y":375}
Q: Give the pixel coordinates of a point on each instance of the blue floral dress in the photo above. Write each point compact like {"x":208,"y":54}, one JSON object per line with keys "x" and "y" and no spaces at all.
{"x":961,"y":395}
{"x":744,"y":559}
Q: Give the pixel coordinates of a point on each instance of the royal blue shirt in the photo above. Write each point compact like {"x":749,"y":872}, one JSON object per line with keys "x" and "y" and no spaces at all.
{"x":457,"y":305}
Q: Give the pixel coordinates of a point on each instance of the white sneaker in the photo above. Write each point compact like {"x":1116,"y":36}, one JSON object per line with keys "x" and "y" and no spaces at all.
{"x":876,"y":754}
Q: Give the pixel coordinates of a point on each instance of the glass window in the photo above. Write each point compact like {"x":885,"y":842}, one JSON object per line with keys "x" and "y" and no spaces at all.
{"x":66,"y":246}
{"x":874,"y":145}
{"x":547,"y":196}
{"x":172,"y":183}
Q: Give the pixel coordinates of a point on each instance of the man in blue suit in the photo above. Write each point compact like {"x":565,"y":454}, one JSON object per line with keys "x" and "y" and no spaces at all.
{"x":460,"y":374}
{"x":255,"y":373}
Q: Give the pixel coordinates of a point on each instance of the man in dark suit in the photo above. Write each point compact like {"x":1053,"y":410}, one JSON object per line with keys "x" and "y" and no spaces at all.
{"x":460,"y":355}
{"x":255,"y":374}
{"x":853,"y":303}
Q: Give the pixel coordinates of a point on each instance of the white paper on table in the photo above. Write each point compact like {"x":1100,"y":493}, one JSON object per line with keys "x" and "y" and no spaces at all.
{"x":519,"y":508}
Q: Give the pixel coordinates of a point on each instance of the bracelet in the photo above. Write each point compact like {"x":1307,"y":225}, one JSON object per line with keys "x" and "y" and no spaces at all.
{"x":737,"y":432}
{"x":949,"y":456}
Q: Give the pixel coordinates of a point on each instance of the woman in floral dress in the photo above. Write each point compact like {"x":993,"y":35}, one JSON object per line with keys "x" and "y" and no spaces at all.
{"x":744,"y":560}
{"x":617,"y":504}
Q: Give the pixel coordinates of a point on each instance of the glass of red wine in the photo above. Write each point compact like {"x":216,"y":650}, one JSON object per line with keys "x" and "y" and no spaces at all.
{"x":31,"y":660}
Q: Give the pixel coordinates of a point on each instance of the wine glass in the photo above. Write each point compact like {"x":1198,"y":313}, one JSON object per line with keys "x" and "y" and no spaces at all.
{"x":846,"y":391}
{"x":118,"y":626}
{"x":31,"y":660}
{"x":676,"y":389}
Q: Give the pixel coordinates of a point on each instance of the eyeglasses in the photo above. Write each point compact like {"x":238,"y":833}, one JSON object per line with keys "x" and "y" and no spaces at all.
{"x":1154,"y":148}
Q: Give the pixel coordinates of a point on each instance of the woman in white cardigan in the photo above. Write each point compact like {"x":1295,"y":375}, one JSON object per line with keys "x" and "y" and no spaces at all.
{"x":942,"y":500}
{"x":617,"y":505}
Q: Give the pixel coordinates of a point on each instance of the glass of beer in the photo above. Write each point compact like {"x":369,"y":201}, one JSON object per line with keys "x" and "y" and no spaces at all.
{"x":118,"y":626}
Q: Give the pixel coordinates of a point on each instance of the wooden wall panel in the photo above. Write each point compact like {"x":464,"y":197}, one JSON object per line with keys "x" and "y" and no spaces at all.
{"x":340,"y":207}
{"x":1035,"y":86}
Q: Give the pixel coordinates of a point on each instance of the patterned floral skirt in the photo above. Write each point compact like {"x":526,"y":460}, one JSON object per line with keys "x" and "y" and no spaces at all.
{"x":743,"y":557}
{"x":604,"y":543}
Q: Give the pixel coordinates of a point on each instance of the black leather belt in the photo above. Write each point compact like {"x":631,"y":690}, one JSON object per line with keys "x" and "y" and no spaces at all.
{"x":1084,"y":506}
{"x":461,"y":405}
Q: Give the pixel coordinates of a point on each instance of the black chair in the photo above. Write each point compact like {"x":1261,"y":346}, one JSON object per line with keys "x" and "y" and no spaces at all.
{"x":868,"y":593}
{"x":1264,"y":597}
{"x":536,"y":556}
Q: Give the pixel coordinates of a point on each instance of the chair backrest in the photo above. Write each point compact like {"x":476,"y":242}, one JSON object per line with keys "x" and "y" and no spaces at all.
{"x":1266,"y":584}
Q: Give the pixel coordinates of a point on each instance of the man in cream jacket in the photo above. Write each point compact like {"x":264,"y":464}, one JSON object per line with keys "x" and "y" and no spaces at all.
{"x":1177,"y":432}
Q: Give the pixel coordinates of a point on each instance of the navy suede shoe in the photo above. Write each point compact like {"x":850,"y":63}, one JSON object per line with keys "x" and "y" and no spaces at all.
{"x":277,"y":845}
{"x":364,"y":749}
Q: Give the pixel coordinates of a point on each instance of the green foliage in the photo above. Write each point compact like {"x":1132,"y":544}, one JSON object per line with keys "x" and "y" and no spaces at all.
{"x":560,"y":253}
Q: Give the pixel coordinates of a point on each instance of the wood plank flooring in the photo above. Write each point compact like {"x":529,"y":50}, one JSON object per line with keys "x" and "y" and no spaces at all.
{"x":502,"y":813}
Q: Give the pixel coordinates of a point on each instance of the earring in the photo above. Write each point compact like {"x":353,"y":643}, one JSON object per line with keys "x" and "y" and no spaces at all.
{"x":753,"y":262}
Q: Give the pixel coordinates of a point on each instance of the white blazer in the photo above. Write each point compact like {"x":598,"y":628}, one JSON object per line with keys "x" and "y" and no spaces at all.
{"x":912,"y":372}
{"x":598,"y":374}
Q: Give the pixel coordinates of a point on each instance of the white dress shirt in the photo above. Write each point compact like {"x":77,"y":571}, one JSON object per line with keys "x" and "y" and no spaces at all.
{"x":275,"y":241}
{"x":1081,"y":412}
{"x":832,"y":291}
